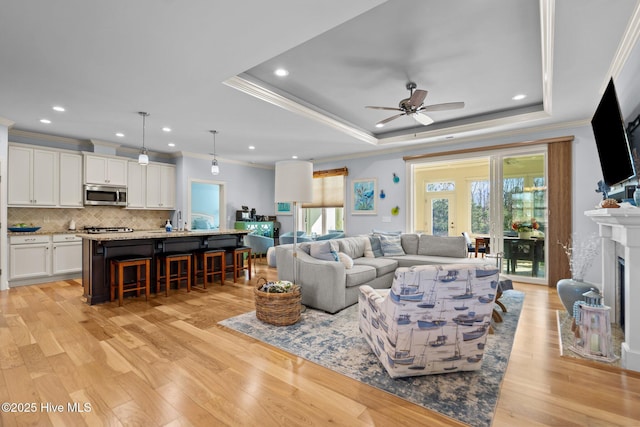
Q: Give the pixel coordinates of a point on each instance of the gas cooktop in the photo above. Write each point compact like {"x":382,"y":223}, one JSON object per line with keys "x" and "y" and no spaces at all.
{"x":98,"y":230}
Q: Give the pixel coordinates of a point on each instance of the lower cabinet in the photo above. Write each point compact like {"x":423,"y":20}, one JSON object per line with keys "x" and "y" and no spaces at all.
{"x":42,"y":258}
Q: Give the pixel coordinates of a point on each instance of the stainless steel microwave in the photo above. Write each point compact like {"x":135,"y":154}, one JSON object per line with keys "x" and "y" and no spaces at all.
{"x":109,"y":195}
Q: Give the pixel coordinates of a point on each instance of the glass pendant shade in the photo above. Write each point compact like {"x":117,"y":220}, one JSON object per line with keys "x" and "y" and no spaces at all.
{"x":215,"y":170}
{"x":143,"y":157}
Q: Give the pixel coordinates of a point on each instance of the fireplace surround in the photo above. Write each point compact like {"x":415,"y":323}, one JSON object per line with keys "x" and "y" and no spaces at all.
{"x":619,"y":230}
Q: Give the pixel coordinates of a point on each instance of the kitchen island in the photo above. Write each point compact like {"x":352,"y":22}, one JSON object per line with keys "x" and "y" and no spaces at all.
{"x":97,"y":249}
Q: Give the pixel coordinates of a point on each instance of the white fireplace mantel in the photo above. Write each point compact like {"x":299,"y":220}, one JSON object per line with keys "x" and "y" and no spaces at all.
{"x":621,"y":227}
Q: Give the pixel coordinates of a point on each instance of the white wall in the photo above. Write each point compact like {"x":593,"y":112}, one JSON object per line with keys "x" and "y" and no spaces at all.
{"x":244,"y":185}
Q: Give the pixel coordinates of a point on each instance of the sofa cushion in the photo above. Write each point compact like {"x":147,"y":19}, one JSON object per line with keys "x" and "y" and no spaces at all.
{"x":352,"y":246}
{"x":345,"y":259}
{"x":327,"y":250}
{"x":359,"y":275}
{"x":391,"y":245}
{"x":446,"y":246}
{"x":382,"y":265}
{"x":410,"y":243}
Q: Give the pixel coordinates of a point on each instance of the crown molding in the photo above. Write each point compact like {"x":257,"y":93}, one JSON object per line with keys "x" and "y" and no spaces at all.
{"x":47,"y":137}
{"x":6,"y":122}
{"x":627,"y":43}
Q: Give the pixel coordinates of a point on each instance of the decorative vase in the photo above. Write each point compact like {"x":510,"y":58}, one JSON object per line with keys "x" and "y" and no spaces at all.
{"x":570,"y":291}
{"x":524,"y":234}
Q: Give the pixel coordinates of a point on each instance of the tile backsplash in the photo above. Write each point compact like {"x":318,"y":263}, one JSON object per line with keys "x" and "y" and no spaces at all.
{"x":57,"y":220}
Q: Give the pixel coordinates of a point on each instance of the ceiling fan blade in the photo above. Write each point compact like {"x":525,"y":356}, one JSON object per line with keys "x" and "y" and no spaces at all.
{"x":384,"y":108}
{"x":417,"y":98}
{"x":444,"y":106}
{"x":423,"y":119}
{"x":388,"y":119}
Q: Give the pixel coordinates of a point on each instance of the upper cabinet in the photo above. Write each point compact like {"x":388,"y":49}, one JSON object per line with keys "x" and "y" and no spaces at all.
{"x":32,"y":177}
{"x":151,"y":187}
{"x":105,"y":170}
{"x":70,"y":180}
{"x":161,"y":186}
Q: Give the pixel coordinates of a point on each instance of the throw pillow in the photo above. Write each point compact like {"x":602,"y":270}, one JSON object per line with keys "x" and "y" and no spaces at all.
{"x":448,"y":246}
{"x":391,"y":245}
{"x":386,"y":233}
{"x":345,"y":259}
{"x":368,"y":250}
{"x":376,"y":247}
{"x":327,"y":250}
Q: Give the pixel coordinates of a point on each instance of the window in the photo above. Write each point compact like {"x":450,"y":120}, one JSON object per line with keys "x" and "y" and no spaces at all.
{"x":480,"y":193}
{"x":326,"y":212}
{"x":434,"y":187}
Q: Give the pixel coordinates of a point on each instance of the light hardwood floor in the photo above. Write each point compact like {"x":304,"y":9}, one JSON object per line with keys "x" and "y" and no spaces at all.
{"x":167,"y":363}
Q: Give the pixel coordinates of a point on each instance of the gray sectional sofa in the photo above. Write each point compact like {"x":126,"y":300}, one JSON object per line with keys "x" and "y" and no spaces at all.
{"x":331,"y":271}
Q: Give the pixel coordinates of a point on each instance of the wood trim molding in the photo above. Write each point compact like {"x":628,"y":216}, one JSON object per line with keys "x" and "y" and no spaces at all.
{"x":569,"y":138}
{"x":331,"y":172}
{"x":560,"y":212}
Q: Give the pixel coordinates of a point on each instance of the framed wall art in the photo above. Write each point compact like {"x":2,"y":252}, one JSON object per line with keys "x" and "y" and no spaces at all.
{"x":283,"y":208}
{"x":364,"y":196}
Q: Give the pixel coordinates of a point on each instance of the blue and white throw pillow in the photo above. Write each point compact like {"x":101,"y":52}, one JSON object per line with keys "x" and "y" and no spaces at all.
{"x":391,"y":245}
{"x":327,"y":250}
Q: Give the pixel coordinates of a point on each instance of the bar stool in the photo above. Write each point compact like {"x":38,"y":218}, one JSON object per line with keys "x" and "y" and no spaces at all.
{"x":169,"y":260}
{"x":117,"y":269}
{"x":237,"y":255}
{"x":207,"y":259}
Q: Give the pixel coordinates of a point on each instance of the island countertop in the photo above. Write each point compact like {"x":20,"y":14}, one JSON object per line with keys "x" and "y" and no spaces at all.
{"x":159,"y":234}
{"x":98,"y":249}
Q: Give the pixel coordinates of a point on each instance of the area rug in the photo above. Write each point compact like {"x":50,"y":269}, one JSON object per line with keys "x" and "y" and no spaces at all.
{"x":567,"y":339}
{"x":334,"y":341}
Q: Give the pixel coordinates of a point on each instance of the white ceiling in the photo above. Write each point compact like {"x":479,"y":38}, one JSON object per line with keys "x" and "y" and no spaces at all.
{"x":183,"y":62}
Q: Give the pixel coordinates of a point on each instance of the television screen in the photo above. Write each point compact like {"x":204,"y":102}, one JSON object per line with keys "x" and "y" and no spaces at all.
{"x":611,"y":139}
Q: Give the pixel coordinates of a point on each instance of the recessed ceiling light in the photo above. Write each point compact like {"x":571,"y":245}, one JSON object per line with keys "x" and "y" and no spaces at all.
{"x":166,"y":129}
{"x":281,"y":72}
{"x":171,"y":144}
{"x":379,"y":125}
{"x":120,"y":135}
{"x":251,"y":147}
{"x":45,"y":121}
{"x":294,"y":157}
{"x":58,"y":108}
{"x":519,"y":97}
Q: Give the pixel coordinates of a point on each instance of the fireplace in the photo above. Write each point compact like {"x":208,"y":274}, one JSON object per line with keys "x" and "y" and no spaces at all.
{"x":619,"y":230}
{"x":620,"y":289}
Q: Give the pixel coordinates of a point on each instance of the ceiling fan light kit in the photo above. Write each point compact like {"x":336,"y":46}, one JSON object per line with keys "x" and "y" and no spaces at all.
{"x":414,"y":106}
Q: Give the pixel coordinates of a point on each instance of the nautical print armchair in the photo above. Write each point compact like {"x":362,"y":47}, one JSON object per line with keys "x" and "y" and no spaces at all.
{"x":434,"y":319}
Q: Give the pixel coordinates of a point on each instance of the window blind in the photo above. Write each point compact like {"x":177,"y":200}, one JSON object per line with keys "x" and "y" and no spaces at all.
{"x":328,"y":189}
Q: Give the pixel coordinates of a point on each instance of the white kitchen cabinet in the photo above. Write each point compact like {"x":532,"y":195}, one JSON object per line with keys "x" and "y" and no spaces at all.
{"x":29,"y":257}
{"x":32,"y":177}
{"x":70,"y":180}
{"x":136,"y":185}
{"x":161,"y":186}
{"x":105,"y":170}
{"x":67,"y":254}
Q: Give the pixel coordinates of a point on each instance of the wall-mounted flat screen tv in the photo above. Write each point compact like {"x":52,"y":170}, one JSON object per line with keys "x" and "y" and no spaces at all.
{"x":611,"y":139}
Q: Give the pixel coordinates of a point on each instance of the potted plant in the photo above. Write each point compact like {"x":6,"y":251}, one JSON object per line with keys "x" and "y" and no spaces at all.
{"x":525,"y":228}
{"x":581,"y":251}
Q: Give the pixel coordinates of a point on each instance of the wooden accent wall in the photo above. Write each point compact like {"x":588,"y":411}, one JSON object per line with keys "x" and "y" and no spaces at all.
{"x":560,"y":197}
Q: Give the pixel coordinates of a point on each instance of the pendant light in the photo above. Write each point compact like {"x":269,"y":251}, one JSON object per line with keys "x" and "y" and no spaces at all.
{"x":143,"y":157}
{"x":215,"y":169}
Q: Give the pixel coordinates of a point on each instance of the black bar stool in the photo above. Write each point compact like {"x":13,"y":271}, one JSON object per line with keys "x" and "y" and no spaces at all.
{"x":237,"y":255}
{"x":117,"y":269}
{"x":182,"y":263}
{"x":207,"y":259}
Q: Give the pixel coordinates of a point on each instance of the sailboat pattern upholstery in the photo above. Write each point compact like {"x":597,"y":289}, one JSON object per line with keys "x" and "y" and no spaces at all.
{"x":434,"y":319}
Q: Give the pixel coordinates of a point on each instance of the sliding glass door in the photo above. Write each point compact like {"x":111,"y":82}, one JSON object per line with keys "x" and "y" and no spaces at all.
{"x":500,"y":198}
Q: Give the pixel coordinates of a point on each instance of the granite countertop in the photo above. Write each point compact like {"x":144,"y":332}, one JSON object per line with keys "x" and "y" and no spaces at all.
{"x":40,"y":233}
{"x":157,"y":234}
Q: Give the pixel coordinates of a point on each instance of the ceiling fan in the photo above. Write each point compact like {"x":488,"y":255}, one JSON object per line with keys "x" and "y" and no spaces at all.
{"x":413,"y":106}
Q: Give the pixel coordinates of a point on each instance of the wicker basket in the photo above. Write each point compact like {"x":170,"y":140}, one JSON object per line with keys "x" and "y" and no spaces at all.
{"x":278,"y":309}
